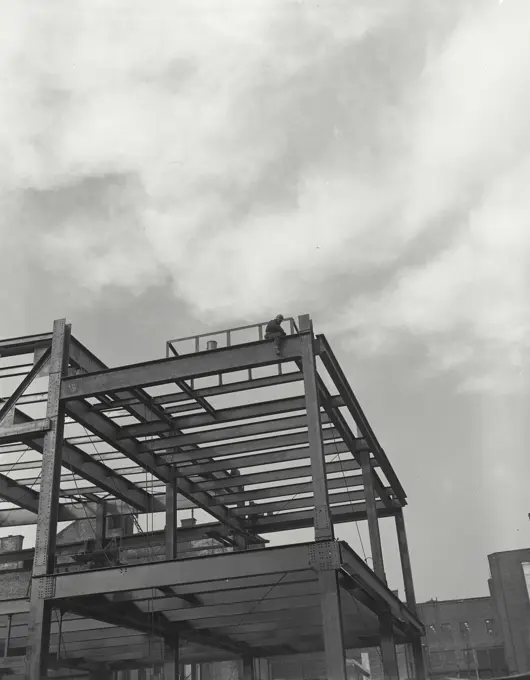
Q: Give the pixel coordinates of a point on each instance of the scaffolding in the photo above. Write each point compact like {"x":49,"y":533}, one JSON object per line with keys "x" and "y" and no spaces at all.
{"x":251,"y":443}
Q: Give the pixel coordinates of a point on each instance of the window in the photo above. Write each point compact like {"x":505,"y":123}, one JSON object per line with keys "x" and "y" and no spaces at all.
{"x":446,"y":629}
{"x":464,"y":628}
{"x":490,"y":627}
{"x":431,"y":629}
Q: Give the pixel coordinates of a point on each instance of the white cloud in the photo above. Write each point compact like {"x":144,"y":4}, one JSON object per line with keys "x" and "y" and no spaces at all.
{"x":222,"y":125}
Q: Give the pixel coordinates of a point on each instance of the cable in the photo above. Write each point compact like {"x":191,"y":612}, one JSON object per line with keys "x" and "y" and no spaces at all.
{"x":351,"y":502}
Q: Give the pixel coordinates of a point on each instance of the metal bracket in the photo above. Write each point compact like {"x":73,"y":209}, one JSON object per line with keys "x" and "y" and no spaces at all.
{"x":46,"y":587}
{"x":325,"y":556}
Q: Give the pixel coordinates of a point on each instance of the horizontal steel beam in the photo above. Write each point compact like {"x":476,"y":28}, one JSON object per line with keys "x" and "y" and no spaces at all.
{"x":13,"y":492}
{"x":108,"y":431}
{"x":277,"y":475}
{"x":297,"y":503}
{"x":24,"y":345}
{"x":181,"y":368}
{"x":179,"y":572}
{"x":227,"y":415}
{"x":86,"y":466}
{"x":21,"y":431}
{"x":341,"y":383}
{"x":360,"y":575}
{"x":212,"y":391}
{"x":259,"y":459}
{"x":264,"y":444}
{"x":295,"y":489}
{"x":289,"y":521}
{"x":229,"y":433}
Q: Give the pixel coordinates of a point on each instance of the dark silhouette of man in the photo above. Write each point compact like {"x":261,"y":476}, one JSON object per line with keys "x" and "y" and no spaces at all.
{"x":274,"y":331}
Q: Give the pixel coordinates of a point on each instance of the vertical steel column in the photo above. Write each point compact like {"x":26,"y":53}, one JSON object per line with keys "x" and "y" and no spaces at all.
{"x":101,"y":526}
{"x":371,"y":512}
{"x":323,"y":524}
{"x":405,"y":561}
{"x":171,"y":655}
{"x":410,"y":595}
{"x":39,"y":622}
{"x":419,"y":659}
{"x":171,"y":663}
{"x":171,"y":519}
{"x":332,"y":625}
{"x":248,"y":668}
{"x":388,"y":647}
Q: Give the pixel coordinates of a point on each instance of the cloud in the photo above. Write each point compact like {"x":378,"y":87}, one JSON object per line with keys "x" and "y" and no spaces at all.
{"x":254,"y":157}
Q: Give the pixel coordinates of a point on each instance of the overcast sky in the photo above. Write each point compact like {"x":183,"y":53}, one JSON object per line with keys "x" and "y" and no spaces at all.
{"x":172,"y":166}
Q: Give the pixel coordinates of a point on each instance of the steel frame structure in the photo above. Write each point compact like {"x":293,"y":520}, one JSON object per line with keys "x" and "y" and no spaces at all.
{"x":253,"y":466}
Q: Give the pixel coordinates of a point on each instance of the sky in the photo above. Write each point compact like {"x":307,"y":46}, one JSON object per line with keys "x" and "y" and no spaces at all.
{"x":177,"y":166}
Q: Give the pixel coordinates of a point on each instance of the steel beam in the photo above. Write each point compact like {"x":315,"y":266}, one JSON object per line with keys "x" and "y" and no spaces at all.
{"x":323,"y":522}
{"x":21,"y":431}
{"x":373,"y":522}
{"x":214,"y":390}
{"x":171,"y":520}
{"x":165,"y":371}
{"x":24,"y":384}
{"x":13,"y":492}
{"x":229,"y":433}
{"x":332,"y":625}
{"x":108,"y":431}
{"x":248,"y":668}
{"x":358,"y":573}
{"x":419,"y":659}
{"x":388,"y":648}
{"x":86,"y":466}
{"x":192,"y":570}
{"x":261,"y":459}
{"x":44,"y":561}
{"x":347,"y":435}
{"x":406,"y":567}
{"x":227,"y":415}
{"x":24,"y":345}
{"x":296,"y":489}
{"x":264,"y":444}
{"x":296,"y":503}
{"x":289,"y":521}
{"x":277,"y":475}
{"x":351,"y":402}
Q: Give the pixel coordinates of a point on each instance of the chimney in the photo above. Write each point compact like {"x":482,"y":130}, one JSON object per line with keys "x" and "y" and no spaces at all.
{"x":10,"y":544}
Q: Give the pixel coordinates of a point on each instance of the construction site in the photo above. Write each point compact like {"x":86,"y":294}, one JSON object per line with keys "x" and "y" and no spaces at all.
{"x":190,"y":475}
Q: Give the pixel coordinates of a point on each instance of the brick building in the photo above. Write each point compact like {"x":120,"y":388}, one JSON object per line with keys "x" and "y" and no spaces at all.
{"x":481,"y":637}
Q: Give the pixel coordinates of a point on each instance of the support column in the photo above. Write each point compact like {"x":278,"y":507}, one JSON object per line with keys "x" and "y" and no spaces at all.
{"x":388,"y":648}
{"x":171,"y":655}
{"x":171,"y":663}
{"x":410,"y":595}
{"x":419,"y":658}
{"x":404,"y":555}
{"x":39,"y":622}
{"x":323,"y":523}
{"x":332,"y":625}
{"x":371,"y":512}
{"x":171,"y":519}
{"x":248,"y":668}
{"x":101,"y":526}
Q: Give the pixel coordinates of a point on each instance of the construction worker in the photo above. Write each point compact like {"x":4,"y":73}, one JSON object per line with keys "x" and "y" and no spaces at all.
{"x":274,"y":331}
